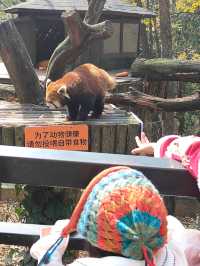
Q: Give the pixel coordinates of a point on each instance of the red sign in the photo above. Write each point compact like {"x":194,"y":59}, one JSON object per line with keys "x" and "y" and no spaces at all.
{"x":59,"y":137}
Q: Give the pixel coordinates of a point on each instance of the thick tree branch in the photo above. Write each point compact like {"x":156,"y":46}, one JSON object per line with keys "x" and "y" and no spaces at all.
{"x":137,"y":98}
{"x":79,"y":37}
{"x":95,"y":8}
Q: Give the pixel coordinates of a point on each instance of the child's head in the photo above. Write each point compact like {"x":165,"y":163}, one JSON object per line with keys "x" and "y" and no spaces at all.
{"x":121,"y":212}
{"x":125,"y":214}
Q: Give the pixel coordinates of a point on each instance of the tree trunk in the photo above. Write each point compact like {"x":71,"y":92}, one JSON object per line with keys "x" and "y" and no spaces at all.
{"x":165,"y":28}
{"x":166,"y":44}
{"x":19,"y":64}
{"x":157,"y":41}
{"x":144,"y":42}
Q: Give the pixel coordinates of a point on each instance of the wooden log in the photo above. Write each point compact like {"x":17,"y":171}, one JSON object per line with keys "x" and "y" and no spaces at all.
{"x":19,"y":65}
{"x":166,"y":69}
{"x":137,"y":98}
{"x":78,"y":39}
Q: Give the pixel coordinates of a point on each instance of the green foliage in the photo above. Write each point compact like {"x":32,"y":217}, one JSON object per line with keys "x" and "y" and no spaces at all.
{"x":186,"y":35}
{"x":189,"y":121}
{"x":45,"y":205}
{"x":187,"y":5}
{"x":7,"y":3}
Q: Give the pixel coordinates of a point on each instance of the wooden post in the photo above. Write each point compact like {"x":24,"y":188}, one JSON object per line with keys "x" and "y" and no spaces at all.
{"x":18,"y":64}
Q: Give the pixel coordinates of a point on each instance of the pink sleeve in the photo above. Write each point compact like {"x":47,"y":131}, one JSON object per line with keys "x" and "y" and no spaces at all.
{"x":193,"y":156}
{"x":162,"y":145}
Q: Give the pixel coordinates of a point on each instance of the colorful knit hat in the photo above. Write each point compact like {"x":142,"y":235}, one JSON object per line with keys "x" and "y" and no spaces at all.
{"x":122,"y":212}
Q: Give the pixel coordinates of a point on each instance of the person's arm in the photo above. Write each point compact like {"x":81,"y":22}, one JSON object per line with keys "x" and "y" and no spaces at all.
{"x":157,"y":149}
{"x":144,"y":146}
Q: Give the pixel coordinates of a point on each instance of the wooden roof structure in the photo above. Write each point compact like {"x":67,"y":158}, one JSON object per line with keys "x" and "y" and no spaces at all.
{"x":58,"y":6}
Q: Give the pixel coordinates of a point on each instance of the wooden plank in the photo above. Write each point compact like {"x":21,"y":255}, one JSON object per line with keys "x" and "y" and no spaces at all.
{"x":95,"y":138}
{"x":8,"y":136}
{"x":19,"y":136}
{"x":121,"y":137}
{"x":108,"y":138}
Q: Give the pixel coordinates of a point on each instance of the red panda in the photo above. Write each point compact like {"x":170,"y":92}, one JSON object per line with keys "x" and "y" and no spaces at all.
{"x":82,"y":90}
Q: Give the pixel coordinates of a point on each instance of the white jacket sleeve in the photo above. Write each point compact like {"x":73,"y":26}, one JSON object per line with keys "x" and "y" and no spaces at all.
{"x":162,"y":144}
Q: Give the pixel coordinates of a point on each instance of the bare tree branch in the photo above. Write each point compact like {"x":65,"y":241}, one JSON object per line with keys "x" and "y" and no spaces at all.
{"x":137,"y":98}
{"x":95,"y":8}
{"x":79,"y":37}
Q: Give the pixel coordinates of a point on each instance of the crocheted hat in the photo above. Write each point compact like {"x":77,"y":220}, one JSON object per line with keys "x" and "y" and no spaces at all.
{"x":122,"y":212}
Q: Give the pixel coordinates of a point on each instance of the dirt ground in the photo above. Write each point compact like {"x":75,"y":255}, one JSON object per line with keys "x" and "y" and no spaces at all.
{"x":8,"y":254}
{"x":7,"y":214}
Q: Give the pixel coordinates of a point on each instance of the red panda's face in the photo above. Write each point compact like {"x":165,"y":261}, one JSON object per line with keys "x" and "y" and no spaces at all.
{"x":56,"y":94}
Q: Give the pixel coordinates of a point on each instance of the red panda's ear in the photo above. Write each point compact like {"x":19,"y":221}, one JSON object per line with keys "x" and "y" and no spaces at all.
{"x":63,"y":91}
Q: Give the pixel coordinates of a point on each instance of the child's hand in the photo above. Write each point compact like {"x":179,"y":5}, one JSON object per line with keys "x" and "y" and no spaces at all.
{"x":192,"y":250}
{"x":144,"y":146}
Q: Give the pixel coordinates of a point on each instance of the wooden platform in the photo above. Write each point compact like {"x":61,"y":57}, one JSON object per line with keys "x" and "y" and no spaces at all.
{"x":15,"y":114}
{"x":114,"y":132}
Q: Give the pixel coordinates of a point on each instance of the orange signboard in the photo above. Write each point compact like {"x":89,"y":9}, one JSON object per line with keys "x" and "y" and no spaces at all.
{"x":60,"y":137}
